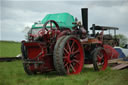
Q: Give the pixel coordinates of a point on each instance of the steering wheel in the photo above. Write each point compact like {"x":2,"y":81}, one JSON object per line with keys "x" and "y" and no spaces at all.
{"x":42,"y":31}
{"x":51,"y":32}
{"x":51,"y":27}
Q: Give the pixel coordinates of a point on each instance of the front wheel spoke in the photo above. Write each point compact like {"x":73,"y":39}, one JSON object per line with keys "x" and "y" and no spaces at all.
{"x":72,"y":68}
{"x":97,"y":62}
{"x":99,"y":58}
{"x":100,"y":64}
{"x":102,"y":60}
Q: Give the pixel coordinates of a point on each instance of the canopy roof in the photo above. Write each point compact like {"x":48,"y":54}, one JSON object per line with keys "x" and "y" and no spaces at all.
{"x":64,"y":20}
{"x":104,"y":28}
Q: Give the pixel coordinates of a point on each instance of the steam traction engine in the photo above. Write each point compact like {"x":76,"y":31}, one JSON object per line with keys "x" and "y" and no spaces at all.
{"x":60,"y":43}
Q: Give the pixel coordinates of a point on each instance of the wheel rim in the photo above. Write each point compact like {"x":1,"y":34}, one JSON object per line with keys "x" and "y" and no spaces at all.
{"x":73,"y":56}
{"x":101,"y":60}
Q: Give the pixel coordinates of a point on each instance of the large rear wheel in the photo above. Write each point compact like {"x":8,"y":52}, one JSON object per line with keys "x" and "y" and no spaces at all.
{"x":68,"y":56}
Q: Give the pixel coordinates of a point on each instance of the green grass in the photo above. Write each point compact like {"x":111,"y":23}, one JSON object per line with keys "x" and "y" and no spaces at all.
{"x":9,"y":48}
{"x":12,"y":73}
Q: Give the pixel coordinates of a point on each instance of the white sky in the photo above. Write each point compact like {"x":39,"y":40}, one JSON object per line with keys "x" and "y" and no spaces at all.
{"x":16,"y":14}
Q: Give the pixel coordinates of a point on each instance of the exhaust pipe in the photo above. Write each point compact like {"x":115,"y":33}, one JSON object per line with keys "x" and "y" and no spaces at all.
{"x":84,"y":12}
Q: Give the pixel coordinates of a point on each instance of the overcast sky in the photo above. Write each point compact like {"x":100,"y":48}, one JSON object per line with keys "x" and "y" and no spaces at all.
{"x":17,"y":14}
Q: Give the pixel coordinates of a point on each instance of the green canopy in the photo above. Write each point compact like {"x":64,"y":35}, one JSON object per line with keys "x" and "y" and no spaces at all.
{"x":64,"y":20}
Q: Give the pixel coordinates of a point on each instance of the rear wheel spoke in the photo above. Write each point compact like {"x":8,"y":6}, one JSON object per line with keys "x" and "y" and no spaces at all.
{"x":72,"y":68}
{"x":69,"y":47}
{"x":68,"y":68}
{"x":66,"y":50}
{"x":66,"y":64}
{"x":75,"y":52}
{"x":76,"y":61}
{"x":71,"y":61}
{"x":73,"y":42}
{"x":73,"y":49}
{"x":76,"y":55}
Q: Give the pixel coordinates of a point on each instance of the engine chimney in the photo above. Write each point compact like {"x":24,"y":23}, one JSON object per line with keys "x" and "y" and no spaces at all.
{"x":84,"y":12}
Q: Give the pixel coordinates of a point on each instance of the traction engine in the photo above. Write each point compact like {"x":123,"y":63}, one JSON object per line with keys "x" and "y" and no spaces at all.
{"x":60,"y":43}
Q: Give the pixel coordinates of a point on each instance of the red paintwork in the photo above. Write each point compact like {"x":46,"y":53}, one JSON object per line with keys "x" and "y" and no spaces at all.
{"x":47,"y":66}
{"x":93,"y":41}
{"x":33,"y":50}
{"x":102,"y":55}
{"x":111,"y":52}
{"x":43,"y":50}
{"x":60,"y":34}
{"x":73,"y":66}
{"x":37,"y":51}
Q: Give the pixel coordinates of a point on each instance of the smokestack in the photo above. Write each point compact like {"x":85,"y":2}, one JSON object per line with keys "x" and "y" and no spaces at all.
{"x":84,"y":12}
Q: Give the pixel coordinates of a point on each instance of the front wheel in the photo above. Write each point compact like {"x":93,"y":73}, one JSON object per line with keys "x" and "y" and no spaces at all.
{"x":68,"y":56}
{"x":100,"y":60}
{"x":29,"y":69}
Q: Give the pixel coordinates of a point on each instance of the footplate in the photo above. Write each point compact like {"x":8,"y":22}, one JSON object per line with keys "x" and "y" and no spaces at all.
{"x":33,"y":62}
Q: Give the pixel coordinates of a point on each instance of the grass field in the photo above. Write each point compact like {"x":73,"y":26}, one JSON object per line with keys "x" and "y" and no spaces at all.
{"x":12,"y":73}
{"x":9,"y":48}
